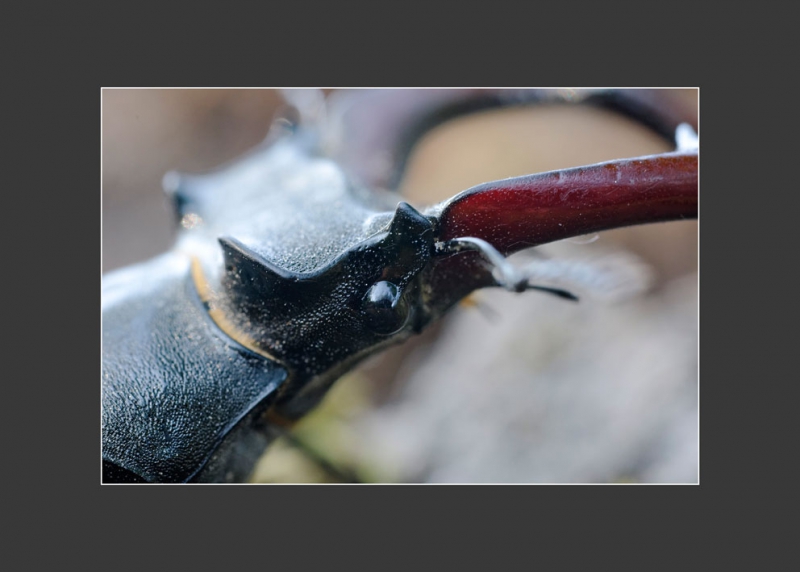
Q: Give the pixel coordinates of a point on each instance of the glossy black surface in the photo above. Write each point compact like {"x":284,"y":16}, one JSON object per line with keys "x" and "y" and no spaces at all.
{"x":173,"y":386}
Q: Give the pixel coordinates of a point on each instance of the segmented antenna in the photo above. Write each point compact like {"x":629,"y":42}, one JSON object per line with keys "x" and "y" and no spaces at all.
{"x":608,"y":277}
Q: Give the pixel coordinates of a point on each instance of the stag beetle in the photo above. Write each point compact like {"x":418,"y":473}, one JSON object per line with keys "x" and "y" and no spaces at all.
{"x":296,"y":262}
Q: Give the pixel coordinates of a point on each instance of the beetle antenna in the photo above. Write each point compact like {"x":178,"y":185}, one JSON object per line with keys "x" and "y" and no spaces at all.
{"x":565,"y":294}
{"x":505,"y":274}
{"x":610,"y":277}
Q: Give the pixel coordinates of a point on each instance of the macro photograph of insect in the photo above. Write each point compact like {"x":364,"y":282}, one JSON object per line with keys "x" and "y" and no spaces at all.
{"x":406,"y":286}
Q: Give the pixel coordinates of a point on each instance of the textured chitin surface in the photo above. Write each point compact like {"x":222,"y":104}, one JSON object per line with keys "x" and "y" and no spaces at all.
{"x":165,"y":368}
{"x":517,"y":213}
{"x":294,"y":209}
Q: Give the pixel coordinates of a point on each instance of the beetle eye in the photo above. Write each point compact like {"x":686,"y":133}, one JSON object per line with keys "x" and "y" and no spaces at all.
{"x":385,"y":310}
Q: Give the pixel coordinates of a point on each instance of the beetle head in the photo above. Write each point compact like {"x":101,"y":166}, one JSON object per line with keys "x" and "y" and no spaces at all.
{"x":320,"y":322}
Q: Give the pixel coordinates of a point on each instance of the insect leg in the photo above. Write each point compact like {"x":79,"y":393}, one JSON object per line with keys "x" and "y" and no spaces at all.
{"x":338,"y":473}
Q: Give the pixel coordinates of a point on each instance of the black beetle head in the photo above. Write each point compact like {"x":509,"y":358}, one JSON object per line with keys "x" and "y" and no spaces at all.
{"x":366,"y":298}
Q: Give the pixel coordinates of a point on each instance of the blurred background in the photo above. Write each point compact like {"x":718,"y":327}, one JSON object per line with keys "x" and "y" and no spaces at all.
{"x":508,"y":388}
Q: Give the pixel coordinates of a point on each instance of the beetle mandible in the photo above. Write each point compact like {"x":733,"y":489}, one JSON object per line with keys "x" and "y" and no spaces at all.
{"x":294,"y":268}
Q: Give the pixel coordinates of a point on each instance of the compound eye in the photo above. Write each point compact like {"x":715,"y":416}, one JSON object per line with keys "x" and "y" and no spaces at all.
{"x":385,"y":310}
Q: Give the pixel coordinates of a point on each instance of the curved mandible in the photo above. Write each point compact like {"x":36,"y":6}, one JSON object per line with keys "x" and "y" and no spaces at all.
{"x":372,"y":132}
